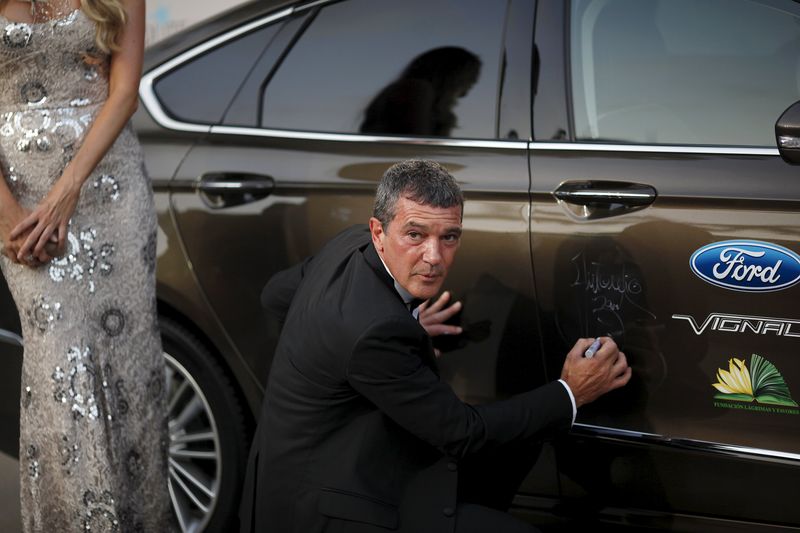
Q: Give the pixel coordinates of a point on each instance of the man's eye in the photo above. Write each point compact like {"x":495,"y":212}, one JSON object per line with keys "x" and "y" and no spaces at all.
{"x":414,"y":235}
{"x":451,"y":238}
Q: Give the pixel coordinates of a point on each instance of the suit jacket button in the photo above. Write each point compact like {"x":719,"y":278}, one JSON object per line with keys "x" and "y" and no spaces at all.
{"x":448,"y":511}
{"x":451,"y":466}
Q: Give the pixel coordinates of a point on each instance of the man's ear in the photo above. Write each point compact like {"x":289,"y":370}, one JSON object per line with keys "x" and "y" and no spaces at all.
{"x":376,"y":229}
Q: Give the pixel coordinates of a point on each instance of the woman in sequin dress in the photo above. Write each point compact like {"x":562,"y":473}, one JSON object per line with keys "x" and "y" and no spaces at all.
{"x":78,"y":229}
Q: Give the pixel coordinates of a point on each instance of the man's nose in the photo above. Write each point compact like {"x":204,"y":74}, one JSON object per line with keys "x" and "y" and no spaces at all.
{"x":433,"y":253}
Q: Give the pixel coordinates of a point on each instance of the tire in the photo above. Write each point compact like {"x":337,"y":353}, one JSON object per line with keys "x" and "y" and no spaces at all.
{"x":208,"y":447}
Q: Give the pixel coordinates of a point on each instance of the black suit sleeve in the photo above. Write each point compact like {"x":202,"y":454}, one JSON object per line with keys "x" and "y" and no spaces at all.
{"x":387,"y":368}
{"x":278,"y":293}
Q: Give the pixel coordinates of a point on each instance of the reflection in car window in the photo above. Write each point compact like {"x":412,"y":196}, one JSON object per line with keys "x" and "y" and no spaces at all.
{"x":421,"y":100}
{"x":717,"y":72}
{"x":417,"y":67}
{"x":200,"y":90}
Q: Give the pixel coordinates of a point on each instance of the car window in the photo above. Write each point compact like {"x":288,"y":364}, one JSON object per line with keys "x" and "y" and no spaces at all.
{"x":213,"y":78}
{"x":246,"y":106}
{"x":716,"y":72}
{"x":417,"y":67}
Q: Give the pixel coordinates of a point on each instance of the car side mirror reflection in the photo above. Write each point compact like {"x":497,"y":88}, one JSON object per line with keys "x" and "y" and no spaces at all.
{"x":787,"y":133}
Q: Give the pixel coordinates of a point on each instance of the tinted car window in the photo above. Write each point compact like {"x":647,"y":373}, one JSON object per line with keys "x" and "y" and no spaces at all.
{"x":213,"y":78}
{"x":716,"y":72}
{"x":417,"y":67}
{"x":245,"y":109}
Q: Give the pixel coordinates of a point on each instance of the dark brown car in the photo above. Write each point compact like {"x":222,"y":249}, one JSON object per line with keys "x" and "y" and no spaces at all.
{"x":622,"y":175}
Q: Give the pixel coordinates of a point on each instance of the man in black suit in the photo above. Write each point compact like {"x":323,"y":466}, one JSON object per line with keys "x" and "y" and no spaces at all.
{"x":357,"y":433}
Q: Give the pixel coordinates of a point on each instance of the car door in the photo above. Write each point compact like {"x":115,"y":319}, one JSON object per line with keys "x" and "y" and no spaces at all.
{"x":354,"y":87}
{"x":11,"y":368}
{"x":663,"y":216}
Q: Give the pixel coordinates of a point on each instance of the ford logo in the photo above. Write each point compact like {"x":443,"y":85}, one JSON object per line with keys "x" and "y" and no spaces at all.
{"x":752,"y":266}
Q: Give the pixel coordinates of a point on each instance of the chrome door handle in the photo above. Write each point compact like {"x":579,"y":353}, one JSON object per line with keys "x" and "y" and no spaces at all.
{"x":600,"y":199}
{"x":9,"y":337}
{"x":586,"y":192}
{"x":787,"y":131}
{"x":227,"y":189}
{"x":231,"y":183}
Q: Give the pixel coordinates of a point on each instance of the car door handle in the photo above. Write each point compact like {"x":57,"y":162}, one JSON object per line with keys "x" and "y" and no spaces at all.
{"x":9,"y":337}
{"x":600,"y":199}
{"x":605,"y":192}
{"x":228,"y":189}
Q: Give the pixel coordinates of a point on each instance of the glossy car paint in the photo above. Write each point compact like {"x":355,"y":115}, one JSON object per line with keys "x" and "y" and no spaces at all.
{"x":11,"y":360}
{"x":603,"y":268}
{"x":530,"y":270}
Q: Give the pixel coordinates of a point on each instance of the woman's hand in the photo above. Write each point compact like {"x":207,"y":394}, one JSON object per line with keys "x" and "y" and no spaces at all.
{"x":47,"y":223}
{"x":12,"y":214}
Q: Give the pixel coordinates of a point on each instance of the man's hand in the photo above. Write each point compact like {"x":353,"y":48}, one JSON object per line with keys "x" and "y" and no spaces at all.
{"x":591,"y":378}
{"x":432,"y":317}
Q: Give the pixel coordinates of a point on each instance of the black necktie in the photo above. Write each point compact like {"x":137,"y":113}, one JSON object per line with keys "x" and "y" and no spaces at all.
{"x":412,"y":306}
{"x":414,"y":303}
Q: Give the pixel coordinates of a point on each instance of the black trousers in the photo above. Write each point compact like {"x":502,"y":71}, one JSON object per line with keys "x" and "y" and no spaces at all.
{"x":471,"y":518}
{"x":487,"y":483}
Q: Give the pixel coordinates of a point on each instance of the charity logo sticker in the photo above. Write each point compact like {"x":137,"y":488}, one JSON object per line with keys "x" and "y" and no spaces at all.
{"x":759,"y":388}
{"x":751,"y":266}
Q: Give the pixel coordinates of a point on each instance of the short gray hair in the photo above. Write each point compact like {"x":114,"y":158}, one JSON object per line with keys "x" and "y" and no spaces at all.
{"x":420,"y":180}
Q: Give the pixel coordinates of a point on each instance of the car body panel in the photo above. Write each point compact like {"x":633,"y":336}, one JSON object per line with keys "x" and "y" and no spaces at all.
{"x":641,"y":440}
{"x":319,"y":193}
{"x":628,"y":275}
{"x":536,"y":269}
{"x":663,"y":443}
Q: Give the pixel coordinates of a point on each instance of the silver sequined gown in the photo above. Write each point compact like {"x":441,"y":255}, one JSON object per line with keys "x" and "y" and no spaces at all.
{"x":93,"y":428}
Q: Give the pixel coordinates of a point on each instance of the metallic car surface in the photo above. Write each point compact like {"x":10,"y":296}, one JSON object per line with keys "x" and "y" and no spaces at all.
{"x":563,"y":239}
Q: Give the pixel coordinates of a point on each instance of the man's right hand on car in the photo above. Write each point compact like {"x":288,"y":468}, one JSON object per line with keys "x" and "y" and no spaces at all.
{"x":590,"y":378}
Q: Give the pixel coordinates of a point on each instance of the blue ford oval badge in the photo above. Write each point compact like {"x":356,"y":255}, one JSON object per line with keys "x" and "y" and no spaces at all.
{"x":752,"y":266}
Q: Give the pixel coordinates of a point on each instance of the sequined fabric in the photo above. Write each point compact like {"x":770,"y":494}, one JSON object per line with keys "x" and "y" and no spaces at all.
{"x":93,"y":430}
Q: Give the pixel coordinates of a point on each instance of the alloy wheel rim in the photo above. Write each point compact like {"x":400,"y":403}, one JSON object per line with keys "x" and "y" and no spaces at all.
{"x":195,"y":461}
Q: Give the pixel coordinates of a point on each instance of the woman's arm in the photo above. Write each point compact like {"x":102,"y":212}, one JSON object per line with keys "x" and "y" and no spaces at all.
{"x":52,"y":215}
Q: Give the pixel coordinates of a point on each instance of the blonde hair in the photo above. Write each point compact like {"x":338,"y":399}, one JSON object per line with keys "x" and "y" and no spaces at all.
{"x":109,"y":17}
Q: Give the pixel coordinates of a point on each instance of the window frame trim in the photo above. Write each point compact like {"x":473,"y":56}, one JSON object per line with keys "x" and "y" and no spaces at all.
{"x":654,"y":148}
{"x":147,"y":83}
{"x":160,"y":116}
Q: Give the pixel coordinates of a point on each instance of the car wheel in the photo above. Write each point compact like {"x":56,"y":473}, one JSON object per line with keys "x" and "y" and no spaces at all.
{"x":208,"y":448}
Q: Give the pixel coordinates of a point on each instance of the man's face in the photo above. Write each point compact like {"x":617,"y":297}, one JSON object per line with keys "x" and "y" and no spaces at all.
{"x":419,"y":245}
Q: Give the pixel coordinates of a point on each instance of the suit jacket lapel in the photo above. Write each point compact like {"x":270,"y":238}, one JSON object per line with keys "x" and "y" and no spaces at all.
{"x":375,"y":263}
